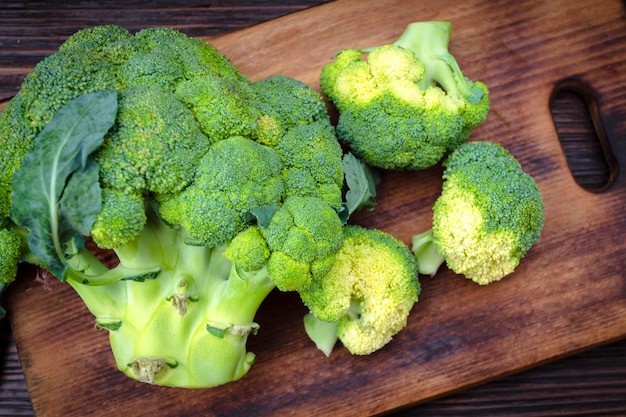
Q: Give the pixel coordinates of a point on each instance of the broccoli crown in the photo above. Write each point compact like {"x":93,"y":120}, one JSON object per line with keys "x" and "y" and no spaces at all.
{"x":101,"y":58}
{"x":369,"y":291}
{"x":178,"y":96}
{"x":407,"y":104}
{"x":303,"y":235}
{"x":489,"y":213}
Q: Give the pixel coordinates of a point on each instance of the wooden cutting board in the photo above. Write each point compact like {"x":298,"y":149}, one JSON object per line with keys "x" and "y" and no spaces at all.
{"x":568,"y":294}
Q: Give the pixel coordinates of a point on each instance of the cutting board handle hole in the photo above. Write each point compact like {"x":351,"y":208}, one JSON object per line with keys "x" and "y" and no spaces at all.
{"x":582,"y":136}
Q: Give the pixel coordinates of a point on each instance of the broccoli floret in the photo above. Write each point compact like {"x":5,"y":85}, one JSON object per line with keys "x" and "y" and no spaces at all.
{"x":248,"y":250}
{"x":367,"y":294}
{"x":196,"y":57}
{"x":223,"y":106}
{"x":156,"y":147}
{"x":235,"y":176}
{"x":489,"y":214}
{"x":311,"y":162}
{"x":280,"y":95}
{"x":121,"y":218}
{"x":407,"y":104}
{"x":16,"y":136}
{"x":304,"y":236}
{"x":10,"y":255}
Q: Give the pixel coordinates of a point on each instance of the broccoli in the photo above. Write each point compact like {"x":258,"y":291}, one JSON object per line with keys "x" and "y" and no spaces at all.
{"x":406,"y":104}
{"x":489,"y":214}
{"x":366,"y":297}
{"x":209,"y":189}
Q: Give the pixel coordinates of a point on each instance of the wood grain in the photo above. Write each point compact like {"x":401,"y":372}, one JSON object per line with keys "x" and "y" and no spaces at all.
{"x":561,"y":299}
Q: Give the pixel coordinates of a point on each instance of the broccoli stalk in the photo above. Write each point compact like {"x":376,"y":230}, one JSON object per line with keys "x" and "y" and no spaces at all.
{"x":427,"y":252}
{"x":429,"y":43}
{"x":176,"y":326}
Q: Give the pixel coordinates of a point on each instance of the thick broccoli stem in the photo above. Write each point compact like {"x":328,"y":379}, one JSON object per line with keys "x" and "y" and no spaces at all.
{"x":425,"y":250}
{"x":429,"y":42}
{"x":186,"y":326}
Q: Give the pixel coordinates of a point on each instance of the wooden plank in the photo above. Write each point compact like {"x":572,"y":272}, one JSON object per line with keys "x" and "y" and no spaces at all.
{"x":567,"y":295}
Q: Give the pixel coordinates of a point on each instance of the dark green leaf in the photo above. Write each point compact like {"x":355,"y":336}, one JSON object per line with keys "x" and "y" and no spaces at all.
{"x":361,"y":181}
{"x":264,"y":214}
{"x":56,"y":193}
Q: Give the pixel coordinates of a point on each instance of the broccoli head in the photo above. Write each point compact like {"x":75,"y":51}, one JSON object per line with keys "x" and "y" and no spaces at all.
{"x":210,"y":191}
{"x":407,"y":104}
{"x":367,"y":294}
{"x":489,"y":214}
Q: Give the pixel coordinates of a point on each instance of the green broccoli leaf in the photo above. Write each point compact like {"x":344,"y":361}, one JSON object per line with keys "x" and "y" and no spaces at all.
{"x":361,"y":181}
{"x":264,"y":214}
{"x":56,"y":193}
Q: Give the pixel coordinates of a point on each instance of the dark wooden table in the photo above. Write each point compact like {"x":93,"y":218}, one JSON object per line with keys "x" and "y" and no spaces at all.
{"x":589,"y":383}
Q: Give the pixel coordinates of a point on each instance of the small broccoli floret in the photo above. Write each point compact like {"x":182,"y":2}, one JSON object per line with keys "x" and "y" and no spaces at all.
{"x":248,"y":250}
{"x":96,"y":38}
{"x":121,"y":219}
{"x":303,"y":235}
{"x":85,"y":63}
{"x":369,"y":291}
{"x":235,"y":176}
{"x":407,"y":104}
{"x":224,"y":107}
{"x":16,"y":136}
{"x":154,"y":146}
{"x":195,"y":57}
{"x":489,"y":214}
{"x":290,"y":101}
{"x":311,"y":162}
{"x":11,"y":248}
{"x":10,"y":255}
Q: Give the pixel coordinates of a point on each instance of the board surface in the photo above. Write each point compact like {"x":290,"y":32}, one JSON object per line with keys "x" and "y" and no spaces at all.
{"x":568,"y":294}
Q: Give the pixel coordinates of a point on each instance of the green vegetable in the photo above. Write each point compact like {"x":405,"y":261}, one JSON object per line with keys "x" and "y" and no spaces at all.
{"x":211,"y":191}
{"x":407,"y":104}
{"x":367,"y":296}
{"x":489,"y":214}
